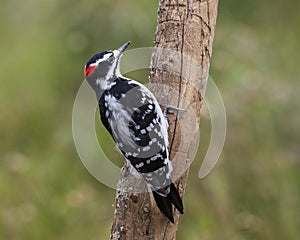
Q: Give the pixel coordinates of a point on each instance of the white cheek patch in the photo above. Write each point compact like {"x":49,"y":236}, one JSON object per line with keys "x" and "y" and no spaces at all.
{"x":111,"y":71}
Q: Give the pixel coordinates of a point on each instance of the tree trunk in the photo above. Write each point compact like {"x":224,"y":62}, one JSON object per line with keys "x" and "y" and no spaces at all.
{"x":179,"y":72}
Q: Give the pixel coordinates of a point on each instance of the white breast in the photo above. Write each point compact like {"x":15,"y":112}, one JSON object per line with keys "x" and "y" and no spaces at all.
{"x":119,"y":120}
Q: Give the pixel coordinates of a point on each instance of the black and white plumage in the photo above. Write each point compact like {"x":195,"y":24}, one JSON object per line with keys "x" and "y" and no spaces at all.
{"x":133,"y":117}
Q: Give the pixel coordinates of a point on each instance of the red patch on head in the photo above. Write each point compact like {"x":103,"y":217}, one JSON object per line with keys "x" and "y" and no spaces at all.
{"x":89,"y":70}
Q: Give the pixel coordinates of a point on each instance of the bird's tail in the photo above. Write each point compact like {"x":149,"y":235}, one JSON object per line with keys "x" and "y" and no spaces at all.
{"x":165,"y":203}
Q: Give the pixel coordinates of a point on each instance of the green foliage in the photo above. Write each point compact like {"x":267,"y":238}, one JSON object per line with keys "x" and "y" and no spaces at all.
{"x":45,"y":191}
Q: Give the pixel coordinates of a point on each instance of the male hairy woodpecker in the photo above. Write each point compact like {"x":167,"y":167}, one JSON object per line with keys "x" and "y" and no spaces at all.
{"x":133,"y":117}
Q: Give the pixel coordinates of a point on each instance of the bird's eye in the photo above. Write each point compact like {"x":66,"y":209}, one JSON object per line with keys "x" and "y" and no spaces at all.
{"x":111,"y":58}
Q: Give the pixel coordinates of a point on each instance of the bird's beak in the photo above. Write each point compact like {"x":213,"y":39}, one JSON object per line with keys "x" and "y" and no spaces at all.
{"x":121,"y":49}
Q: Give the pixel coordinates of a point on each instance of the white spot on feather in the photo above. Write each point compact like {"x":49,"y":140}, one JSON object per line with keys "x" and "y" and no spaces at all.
{"x":141,"y":164}
{"x":143,"y":131}
{"x":146,"y":148}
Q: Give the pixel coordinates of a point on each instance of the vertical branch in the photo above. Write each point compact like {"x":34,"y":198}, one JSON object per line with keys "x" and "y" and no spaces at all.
{"x":180,"y":65}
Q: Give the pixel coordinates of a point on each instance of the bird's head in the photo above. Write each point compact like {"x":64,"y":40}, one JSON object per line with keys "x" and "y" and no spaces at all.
{"x":104,"y":66}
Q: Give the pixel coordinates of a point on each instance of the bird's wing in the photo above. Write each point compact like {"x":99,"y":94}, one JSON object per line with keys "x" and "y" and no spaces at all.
{"x":136,"y":122}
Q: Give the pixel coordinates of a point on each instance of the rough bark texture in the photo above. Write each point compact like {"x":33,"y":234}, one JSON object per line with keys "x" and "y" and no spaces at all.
{"x":180,"y":62}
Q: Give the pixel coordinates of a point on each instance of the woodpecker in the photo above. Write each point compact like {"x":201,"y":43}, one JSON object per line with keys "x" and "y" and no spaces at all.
{"x":134,"y":119}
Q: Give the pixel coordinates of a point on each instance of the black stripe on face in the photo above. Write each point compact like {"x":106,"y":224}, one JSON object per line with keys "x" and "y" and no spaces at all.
{"x":96,"y":57}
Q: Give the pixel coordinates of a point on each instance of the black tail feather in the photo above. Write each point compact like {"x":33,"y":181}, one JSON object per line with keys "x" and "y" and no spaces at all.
{"x":175,"y":198}
{"x":165,"y":203}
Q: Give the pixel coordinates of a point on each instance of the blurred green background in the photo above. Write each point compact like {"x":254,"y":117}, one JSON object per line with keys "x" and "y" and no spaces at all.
{"x":45,"y":191}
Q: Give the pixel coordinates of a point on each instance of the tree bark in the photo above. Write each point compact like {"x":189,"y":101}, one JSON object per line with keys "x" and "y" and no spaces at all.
{"x":179,"y":70}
